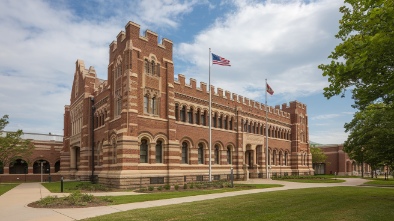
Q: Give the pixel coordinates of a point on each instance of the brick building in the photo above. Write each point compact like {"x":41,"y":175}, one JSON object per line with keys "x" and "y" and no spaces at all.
{"x":144,"y":126}
{"x":47,"y":150}
{"x":339,"y":162}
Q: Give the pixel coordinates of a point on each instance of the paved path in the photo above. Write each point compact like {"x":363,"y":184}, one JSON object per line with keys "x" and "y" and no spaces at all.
{"x":13,"y":204}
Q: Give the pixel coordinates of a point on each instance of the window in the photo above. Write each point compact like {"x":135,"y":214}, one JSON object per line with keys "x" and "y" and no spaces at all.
{"x":231,"y":124}
{"x":198,"y":112}
{"x":118,"y":105}
{"x":190,"y":115}
{"x":217,"y":160}
{"x":153,"y":66}
{"x":220,"y":121}
{"x":176,"y":112}
{"x":229,"y":157}
{"x":154,"y":105}
{"x":203,"y":118}
{"x":200,"y":153}
{"x":269,"y":157}
{"x":226,"y":123}
{"x":183,"y":114}
{"x":114,"y":152}
{"x":146,"y":66}
{"x":159,"y":153}
{"x":185,"y":153}
{"x":214,"y":120}
{"x":286,"y":156}
{"x":146,"y":104}
{"x":144,"y":151}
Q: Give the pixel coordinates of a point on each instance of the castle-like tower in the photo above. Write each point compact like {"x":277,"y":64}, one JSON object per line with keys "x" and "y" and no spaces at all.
{"x":143,"y":126}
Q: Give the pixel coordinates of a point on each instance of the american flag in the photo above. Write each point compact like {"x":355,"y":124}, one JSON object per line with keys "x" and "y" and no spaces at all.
{"x":269,"y":90}
{"x":216,"y":59}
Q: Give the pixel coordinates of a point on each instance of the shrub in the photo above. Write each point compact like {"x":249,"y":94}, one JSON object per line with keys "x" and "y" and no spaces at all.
{"x":191,"y":186}
{"x":151,"y":188}
{"x":176,"y":187}
{"x":167,"y":187}
{"x":185,"y":186}
{"x":159,"y":188}
{"x":49,"y":200}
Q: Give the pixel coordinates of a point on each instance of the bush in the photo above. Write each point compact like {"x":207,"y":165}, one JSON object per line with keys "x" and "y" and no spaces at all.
{"x":191,"y":186}
{"x":167,"y":187}
{"x":151,"y":188}
{"x":176,"y":187}
{"x":160,"y":188}
{"x":185,"y":186}
{"x":49,"y":200}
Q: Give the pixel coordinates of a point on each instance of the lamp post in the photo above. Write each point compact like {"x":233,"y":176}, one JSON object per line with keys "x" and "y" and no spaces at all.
{"x":41,"y":164}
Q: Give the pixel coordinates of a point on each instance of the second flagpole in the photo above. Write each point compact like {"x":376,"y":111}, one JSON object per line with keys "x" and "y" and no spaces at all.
{"x":210,"y":118}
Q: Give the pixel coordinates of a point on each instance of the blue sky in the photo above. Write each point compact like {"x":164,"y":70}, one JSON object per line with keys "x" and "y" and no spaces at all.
{"x":283,"y":41}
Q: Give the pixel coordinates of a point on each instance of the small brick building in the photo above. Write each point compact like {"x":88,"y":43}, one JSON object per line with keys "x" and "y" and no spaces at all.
{"x":143,"y":126}
{"x":47,"y":150}
{"x":339,"y":162}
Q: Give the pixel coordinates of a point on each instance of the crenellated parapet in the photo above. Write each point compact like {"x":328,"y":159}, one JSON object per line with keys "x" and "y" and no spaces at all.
{"x":132,"y":32}
{"x":227,"y":98}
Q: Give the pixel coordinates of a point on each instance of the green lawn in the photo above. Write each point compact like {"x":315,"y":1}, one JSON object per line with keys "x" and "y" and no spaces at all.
{"x":380,"y":182}
{"x":176,"y":194}
{"x":5,"y":187}
{"x":68,"y":187}
{"x":334,"y":203}
{"x":314,"y":180}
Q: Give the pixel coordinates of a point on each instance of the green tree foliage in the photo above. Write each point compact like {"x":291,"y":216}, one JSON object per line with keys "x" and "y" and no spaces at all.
{"x":317,"y":155}
{"x":371,"y":135}
{"x":12,"y":146}
{"x":364,"y":60}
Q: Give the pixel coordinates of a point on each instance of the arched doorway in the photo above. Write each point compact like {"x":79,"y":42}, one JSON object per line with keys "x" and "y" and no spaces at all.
{"x":37,"y":167}
{"x":18,"y":166}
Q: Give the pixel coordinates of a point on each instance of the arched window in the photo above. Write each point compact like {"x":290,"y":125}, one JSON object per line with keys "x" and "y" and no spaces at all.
{"x":220,"y":121}
{"x":185,"y":158}
{"x":146,"y":66}
{"x":226,"y":123}
{"x":197,"y":117}
{"x":183,"y":114}
{"x":144,"y":151}
{"x":146,"y":104}
{"x":217,"y":154}
{"x":154,"y":105}
{"x":214,"y":120}
{"x":229,"y":155}
{"x":153,"y":66}
{"x":203,"y":118}
{"x":286,"y":158}
{"x":190,"y":115}
{"x":114,"y":152}
{"x":231,"y":123}
{"x":176,"y":112}
{"x":159,"y":151}
{"x":200,"y":153}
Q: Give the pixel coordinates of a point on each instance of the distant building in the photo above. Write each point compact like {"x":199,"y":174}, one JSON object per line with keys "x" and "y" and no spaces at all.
{"x":47,"y":150}
{"x":143,"y":126}
{"x":339,"y":162}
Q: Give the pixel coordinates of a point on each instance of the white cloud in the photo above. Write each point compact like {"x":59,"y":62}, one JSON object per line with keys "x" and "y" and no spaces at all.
{"x":284,"y":42}
{"x":331,"y":136}
{"x":41,"y":41}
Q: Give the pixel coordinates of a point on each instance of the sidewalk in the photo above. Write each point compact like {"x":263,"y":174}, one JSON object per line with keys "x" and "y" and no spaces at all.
{"x":13,"y":204}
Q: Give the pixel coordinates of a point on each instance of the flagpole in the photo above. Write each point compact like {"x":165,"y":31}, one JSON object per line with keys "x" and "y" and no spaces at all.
{"x":210,"y":119}
{"x":266,"y":131}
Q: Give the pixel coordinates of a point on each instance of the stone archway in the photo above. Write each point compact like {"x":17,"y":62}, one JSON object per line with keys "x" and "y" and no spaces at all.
{"x":18,"y":166}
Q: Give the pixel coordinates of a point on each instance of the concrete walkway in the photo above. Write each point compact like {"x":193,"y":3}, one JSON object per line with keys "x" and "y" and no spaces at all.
{"x":13,"y":204}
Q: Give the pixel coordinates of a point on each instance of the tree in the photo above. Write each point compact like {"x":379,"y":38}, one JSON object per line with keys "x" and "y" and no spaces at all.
{"x":12,"y":146}
{"x":317,"y":155}
{"x":364,"y":61}
{"x":371,"y":133}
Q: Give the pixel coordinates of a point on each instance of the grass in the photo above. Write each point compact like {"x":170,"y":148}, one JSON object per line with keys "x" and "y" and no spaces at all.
{"x":176,"y":194}
{"x":333,"y":203}
{"x":5,"y":187}
{"x":72,"y":186}
{"x":311,"y":179}
{"x":380,"y":182}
